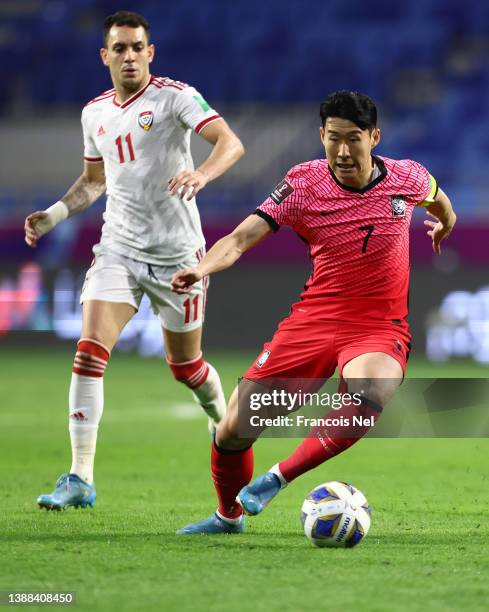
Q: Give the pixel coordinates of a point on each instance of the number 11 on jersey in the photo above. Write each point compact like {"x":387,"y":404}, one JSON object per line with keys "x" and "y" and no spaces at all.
{"x":120,"y":148}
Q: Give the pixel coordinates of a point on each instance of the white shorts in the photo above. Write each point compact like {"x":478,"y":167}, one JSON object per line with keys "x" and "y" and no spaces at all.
{"x":115,"y":278}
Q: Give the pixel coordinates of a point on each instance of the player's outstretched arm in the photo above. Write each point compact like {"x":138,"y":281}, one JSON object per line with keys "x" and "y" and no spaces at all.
{"x":224,"y":253}
{"x":227,"y":149}
{"x":442,"y":211}
{"x":82,"y":194}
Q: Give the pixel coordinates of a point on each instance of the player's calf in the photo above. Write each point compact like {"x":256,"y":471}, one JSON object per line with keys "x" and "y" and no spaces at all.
{"x":231,"y":470}
{"x":86,"y":400}
{"x":202,"y":378}
{"x":86,"y":404}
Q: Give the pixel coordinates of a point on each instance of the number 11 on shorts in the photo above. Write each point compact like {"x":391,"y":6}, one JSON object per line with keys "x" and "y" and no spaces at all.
{"x":188,"y":307}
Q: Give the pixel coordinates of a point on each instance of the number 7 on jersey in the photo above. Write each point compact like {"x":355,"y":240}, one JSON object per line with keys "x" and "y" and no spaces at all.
{"x":369,"y":229}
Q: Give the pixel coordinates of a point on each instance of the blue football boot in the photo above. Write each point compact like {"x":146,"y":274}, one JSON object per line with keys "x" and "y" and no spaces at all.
{"x":256,"y":496}
{"x":70,"y":490}
{"x":212,"y":525}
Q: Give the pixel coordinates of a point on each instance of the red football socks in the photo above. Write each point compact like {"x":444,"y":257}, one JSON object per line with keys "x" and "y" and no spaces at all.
{"x":91,"y":358}
{"x":192,"y":373}
{"x":231,"y":471}
{"x":327,"y":442}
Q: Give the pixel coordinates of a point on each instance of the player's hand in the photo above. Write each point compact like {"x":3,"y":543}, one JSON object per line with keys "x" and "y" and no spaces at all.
{"x":187,"y":184}
{"x":31,"y":235}
{"x":438,"y":231}
{"x":183,"y":279}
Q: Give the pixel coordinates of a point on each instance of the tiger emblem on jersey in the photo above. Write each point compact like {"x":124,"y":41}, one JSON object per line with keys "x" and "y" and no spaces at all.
{"x":398,"y":204}
{"x":145,"y":120}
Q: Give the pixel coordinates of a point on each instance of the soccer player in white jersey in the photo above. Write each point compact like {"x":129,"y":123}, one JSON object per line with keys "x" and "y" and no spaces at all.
{"x":137,"y":149}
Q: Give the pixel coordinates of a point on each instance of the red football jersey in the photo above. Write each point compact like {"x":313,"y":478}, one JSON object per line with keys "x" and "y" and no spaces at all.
{"x":358,"y":238}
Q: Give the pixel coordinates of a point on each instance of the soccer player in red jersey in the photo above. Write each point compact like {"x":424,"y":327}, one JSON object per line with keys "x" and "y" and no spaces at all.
{"x":354,"y":210}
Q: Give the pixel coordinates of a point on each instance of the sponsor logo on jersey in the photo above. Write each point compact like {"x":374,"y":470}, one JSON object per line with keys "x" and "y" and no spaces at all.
{"x":398,"y":204}
{"x":281,"y":191}
{"x":145,"y":120}
{"x":263,"y":358}
{"x":101,"y":131}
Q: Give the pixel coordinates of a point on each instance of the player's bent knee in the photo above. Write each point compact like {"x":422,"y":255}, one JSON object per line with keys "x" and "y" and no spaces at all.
{"x":191,"y":373}
{"x":91,"y":358}
{"x":376,"y":390}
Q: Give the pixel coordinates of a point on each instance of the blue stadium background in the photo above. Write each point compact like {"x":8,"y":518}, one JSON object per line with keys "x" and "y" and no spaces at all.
{"x":266,"y":66}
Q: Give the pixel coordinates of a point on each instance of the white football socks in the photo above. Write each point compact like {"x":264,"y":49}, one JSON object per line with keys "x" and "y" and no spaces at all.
{"x":210,"y":396}
{"x":86,"y":407}
{"x":275,"y":469}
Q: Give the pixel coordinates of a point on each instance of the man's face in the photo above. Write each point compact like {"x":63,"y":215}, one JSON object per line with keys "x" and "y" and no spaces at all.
{"x":348,"y":150}
{"x":128,"y":57}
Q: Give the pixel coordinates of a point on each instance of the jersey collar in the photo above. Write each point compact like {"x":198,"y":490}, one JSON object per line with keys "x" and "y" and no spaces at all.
{"x":134,"y":96}
{"x":383,"y":173}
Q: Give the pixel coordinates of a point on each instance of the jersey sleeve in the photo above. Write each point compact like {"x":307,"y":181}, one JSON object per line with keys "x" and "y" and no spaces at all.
{"x":430,"y":198}
{"x":283,"y":206}
{"x":424,"y":186}
{"x":90,"y":151}
{"x":192,"y":111}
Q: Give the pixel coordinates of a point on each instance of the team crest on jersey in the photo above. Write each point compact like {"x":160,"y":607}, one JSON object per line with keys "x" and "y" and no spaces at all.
{"x":263,"y":358}
{"x":281,"y":191}
{"x":145,"y":120}
{"x":398,"y":204}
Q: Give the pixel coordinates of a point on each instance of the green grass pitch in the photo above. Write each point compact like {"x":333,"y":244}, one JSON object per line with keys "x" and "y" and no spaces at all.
{"x":428,"y":548}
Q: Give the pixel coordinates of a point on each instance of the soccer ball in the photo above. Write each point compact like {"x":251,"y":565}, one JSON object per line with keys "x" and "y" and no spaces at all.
{"x":336,"y":514}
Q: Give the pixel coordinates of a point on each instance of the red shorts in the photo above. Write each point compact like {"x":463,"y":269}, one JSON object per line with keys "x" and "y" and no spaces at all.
{"x":305,"y":347}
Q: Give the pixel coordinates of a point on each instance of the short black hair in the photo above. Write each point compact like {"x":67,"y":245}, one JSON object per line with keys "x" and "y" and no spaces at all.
{"x":356,"y":107}
{"x":125,"y":18}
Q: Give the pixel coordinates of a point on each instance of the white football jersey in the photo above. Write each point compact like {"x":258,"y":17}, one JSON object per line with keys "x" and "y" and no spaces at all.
{"x":144,"y":142}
